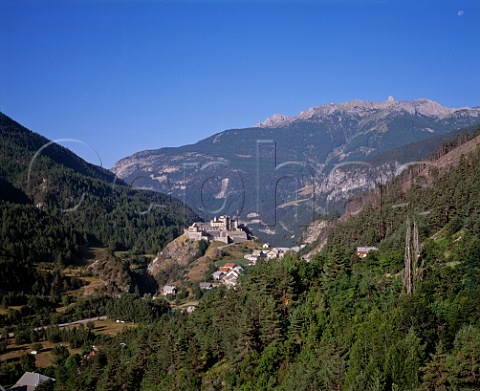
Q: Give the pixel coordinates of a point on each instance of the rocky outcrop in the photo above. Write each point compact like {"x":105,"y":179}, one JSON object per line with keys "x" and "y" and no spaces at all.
{"x":171,"y":263}
{"x":113,"y":274}
{"x":274,"y":120}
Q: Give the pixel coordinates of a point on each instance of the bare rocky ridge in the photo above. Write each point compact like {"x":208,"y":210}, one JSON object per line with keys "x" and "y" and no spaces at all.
{"x":378,"y":110}
{"x":174,"y":258}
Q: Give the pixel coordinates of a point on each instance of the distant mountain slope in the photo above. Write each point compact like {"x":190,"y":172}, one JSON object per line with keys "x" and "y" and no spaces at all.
{"x":278,"y":176}
{"x":441,"y":194}
{"x":418,"y":150}
{"x":17,"y":139}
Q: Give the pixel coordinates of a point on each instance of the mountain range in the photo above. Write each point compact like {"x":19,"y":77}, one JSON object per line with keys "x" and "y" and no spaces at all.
{"x":283,"y":172}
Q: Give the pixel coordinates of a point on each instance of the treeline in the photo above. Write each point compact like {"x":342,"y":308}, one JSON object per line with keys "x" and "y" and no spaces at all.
{"x":29,"y":235}
{"x":130,"y":308}
{"x":40,"y":312}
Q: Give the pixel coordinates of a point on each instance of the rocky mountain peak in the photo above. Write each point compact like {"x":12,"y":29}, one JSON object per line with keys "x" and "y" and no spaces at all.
{"x":274,"y":120}
{"x":383,"y":109}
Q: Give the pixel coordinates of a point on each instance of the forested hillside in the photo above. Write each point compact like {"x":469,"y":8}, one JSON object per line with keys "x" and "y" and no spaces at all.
{"x":338,"y":322}
{"x":439,"y":194}
{"x":52,"y":203}
{"x":90,"y":198}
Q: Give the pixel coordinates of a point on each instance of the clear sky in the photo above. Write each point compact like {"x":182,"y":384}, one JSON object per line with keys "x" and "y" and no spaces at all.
{"x":124,"y":76}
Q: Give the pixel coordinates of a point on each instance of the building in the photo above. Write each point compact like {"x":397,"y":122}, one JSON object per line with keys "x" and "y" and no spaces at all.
{"x":259,"y":253}
{"x":227,"y":267}
{"x":90,"y":355}
{"x":231,"y":279}
{"x":230,"y":265}
{"x":238,"y":269}
{"x":169,"y":290}
{"x":277,"y":252}
{"x":222,"y":229}
{"x":29,"y":381}
{"x":218,"y":275}
{"x":273,"y":253}
{"x":251,"y":258}
{"x":206,"y":285}
{"x":362,"y":252}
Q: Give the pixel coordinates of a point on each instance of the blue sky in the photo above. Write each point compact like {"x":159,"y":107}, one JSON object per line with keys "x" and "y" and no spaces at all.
{"x":124,"y":76}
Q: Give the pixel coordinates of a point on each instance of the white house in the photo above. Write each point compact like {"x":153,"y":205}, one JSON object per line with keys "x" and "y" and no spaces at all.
{"x":362,"y":252}
{"x":238,"y":269}
{"x":273,"y":253}
{"x":169,"y":290}
{"x":250,"y":257}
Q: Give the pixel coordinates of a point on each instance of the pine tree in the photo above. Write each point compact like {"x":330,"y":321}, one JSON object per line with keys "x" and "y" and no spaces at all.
{"x":270,"y":324}
{"x":402,"y":362}
{"x":466,"y":358}
{"x":436,"y":374}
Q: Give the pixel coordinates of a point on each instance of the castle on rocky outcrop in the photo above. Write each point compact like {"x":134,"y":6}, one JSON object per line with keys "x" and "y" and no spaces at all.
{"x":222,"y":229}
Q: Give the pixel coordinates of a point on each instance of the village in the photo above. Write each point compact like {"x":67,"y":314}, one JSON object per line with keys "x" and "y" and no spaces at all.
{"x":229,"y":232}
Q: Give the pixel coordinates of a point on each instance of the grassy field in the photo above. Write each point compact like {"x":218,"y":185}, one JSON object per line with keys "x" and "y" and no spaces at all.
{"x":198,"y":269}
{"x":4,"y":311}
{"x":232,"y":251}
{"x":238,"y":250}
{"x":89,"y":254}
{"x":111,"y":327}
{"x":44,"y":357}
{"x":211,"y":250}
{"x":91,"y":284}
{"x":221,"y":253}
{"x":188,"y":303}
